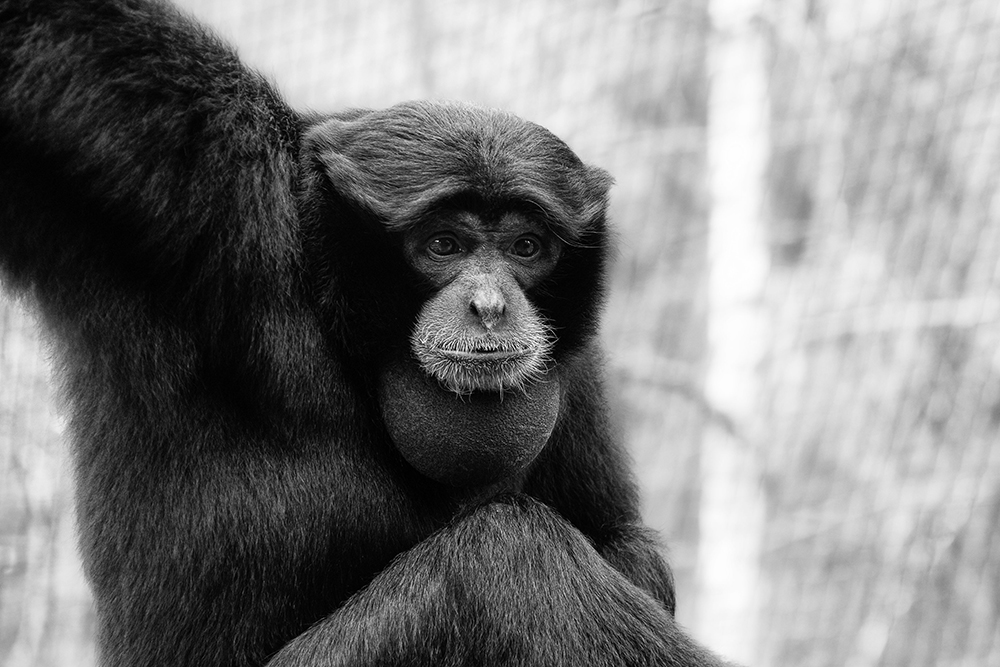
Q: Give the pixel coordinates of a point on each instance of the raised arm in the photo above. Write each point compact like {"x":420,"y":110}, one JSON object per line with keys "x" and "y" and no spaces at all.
{"x":132,"y":139}
{"x":148,"y":207}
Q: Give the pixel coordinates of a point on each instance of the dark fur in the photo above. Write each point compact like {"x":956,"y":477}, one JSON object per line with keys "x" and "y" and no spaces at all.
{"x":217,"y":299}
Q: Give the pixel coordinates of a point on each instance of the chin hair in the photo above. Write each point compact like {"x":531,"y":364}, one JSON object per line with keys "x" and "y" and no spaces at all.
{"x":440,"y":352}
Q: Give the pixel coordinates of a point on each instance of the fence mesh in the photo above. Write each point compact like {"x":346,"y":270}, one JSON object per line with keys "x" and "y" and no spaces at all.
{"x":876,"y":433}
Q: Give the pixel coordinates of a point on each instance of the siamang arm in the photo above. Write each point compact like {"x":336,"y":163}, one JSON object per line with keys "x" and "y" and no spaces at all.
{"x":147,"y":203}
{"x":511,"y":580}
{"x":136,"y":151}
{"x":584,"y":475}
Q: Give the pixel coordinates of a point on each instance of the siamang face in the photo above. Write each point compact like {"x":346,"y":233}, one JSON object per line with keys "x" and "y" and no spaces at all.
{"x":481,"y":206}
{"x":479,"y":331}
{"x":465,"y":249}
{"x":478,"y":396}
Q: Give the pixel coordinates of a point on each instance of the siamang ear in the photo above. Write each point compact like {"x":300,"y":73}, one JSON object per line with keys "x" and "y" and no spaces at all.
{"x":328,"y":145}
{"x":597,"y":190}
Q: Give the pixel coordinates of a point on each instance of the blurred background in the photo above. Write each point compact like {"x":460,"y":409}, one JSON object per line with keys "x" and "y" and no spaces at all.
{"x":803,"y":331}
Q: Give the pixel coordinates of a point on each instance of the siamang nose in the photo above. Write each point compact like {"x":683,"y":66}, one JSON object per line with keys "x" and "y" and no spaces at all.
{"x":488,"y":305}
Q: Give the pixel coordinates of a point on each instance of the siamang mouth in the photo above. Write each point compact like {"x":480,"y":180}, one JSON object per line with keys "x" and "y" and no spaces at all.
{"x":483,"y":355}
{"x":492,"y":366}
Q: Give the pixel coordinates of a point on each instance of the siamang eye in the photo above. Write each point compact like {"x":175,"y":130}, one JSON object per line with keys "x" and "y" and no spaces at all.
{"x":442,"y":246}
{"x":525,"y":247}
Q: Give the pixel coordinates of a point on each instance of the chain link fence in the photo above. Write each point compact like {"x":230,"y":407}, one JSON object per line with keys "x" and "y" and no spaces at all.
{"x":873,"y":442}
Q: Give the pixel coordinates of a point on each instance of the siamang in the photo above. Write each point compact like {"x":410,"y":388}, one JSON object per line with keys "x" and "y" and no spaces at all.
{"x":333,"y":383}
